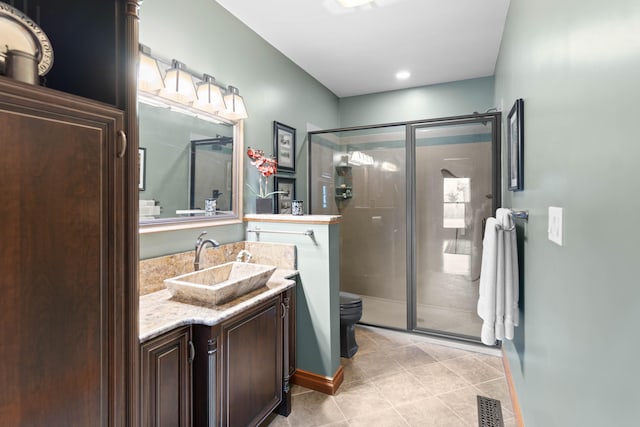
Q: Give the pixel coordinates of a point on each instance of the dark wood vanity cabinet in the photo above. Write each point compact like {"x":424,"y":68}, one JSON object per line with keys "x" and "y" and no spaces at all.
{"x":63,"y":253}
{"x":242,"y":366}
{"x":166,"y":379}
{"x":251,"y":348}
{"x":69,"y":223}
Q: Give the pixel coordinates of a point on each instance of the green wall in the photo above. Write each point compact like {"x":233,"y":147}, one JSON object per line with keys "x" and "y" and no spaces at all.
{"x":317,"y":293}
{"x":210,"y":40}
{"x":425,"y":102}
{"x":576,"y":64}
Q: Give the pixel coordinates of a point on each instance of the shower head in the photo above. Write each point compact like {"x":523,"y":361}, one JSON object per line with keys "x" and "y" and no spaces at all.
{"x":446,"y":173}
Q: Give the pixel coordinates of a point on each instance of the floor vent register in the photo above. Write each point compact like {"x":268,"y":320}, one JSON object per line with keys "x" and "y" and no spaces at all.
{"x":489,"y":412}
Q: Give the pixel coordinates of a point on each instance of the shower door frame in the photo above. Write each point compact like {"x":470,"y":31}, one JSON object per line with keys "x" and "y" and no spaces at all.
{"x":410,"y":191}
{"x":412,"y":280}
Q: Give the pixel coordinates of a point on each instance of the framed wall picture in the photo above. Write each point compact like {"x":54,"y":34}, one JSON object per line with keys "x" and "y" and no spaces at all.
{"x":283,"y":200}
{"x":284,"y":145}
{"x":142,"y":162}
{"x":515,"y":141}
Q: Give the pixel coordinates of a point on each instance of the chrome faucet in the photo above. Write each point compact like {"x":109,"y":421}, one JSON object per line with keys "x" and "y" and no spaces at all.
{"x":242,"y":254}
{"x":200,"y":244}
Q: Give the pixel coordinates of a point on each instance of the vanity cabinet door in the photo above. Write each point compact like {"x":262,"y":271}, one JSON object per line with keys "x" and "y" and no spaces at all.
{"x":63,"y":320}
{"x":166,"y":379}
{"x":252,"y":352}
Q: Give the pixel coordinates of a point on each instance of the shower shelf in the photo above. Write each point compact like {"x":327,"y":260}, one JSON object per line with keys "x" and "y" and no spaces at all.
{"x":344,"y":180}
{"x":344,"y":192}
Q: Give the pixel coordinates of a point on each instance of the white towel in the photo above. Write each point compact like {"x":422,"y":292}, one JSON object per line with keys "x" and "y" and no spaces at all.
{"x":498,"y":293}
{"x":488,"y":278}
{"x":511,"y":272}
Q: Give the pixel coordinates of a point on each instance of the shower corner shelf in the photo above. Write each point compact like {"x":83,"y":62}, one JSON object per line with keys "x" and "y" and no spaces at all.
{"x":344,"y":182}
{"x":344,"y":193}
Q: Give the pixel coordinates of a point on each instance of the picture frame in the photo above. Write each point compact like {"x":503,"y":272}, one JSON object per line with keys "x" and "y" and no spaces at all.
{"x":283,"y":200}
{"x":284,"y":147}
{"x":142,"y":163}
{"x":515,"y":145}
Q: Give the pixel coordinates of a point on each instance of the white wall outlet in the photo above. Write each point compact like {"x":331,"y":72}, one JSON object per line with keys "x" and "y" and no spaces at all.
{"x":554,"y":229}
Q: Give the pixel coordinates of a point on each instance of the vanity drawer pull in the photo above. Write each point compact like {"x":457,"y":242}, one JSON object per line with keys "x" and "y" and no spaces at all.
{"x":192,"y":352}
{"x":123,"y":148}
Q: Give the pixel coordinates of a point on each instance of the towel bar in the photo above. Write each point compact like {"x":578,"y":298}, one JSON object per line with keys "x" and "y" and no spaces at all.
{"x":520,"y":215}
{"x":515,"y":215}
{"x":308,"y":232}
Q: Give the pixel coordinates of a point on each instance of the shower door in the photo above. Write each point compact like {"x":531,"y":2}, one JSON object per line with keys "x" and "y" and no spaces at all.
{"x":413,"y":199}
{"x":361,"y":175}
{"x":453,"y":195}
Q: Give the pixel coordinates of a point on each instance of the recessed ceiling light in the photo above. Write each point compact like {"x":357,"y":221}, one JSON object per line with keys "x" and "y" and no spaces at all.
{"x":354,"y":3}
{"x":402,"y":75}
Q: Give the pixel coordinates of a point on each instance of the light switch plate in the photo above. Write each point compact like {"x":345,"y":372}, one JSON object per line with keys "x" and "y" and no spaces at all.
{"x":555,"y":225}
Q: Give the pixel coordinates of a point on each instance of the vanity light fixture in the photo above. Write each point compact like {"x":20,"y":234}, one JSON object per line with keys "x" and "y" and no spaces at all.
{"x":185,"y":90}
{"x":178,"y":84}
{"x":235,"y":105}
{"x":209,"y":96}
{"x":149,"y":75}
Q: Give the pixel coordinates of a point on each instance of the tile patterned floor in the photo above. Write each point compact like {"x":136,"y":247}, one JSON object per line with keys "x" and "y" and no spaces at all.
{"x":399,"y":379}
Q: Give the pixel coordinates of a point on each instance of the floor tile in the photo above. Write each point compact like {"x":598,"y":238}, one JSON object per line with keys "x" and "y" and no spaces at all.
{"x":401,"y":388}
{"x":400,"y":379}
{"x":376,"y":364}
{"x":464,"y":403}
{"x":429,"y":413}
{"x":409,"y":356}
{"x":358,"y":399}
{"x":493,"y":361}
{"x":313,"y":409}
{"x":366,"y":344}
{"x":385,"y":418}
{"x":353,"y":372}
{"x":438,"y":378}
{"x":472,"y":370}
{"x":389,"y":339}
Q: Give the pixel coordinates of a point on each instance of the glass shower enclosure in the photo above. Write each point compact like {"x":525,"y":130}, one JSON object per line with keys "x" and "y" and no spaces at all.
{"x":413,"y":198}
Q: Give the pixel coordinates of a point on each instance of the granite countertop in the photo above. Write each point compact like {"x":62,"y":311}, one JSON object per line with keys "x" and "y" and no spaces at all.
{"x":160,"y":314}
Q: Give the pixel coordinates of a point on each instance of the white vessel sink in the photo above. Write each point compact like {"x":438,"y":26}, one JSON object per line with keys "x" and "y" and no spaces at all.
{"x":219,"y":284}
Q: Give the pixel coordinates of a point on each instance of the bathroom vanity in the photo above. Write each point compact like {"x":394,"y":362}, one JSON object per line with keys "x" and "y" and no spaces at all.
{"x":225,"y":365}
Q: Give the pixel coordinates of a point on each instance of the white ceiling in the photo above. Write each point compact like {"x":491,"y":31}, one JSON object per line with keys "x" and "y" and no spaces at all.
{"x":359,"y":51}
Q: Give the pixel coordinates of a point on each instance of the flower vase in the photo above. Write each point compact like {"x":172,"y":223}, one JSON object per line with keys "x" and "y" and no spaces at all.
{"x":264,"y":206}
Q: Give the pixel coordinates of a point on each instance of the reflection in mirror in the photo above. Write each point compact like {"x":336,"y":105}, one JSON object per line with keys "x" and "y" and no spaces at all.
{"x":189,"y":159}
{"x":211,"y":171}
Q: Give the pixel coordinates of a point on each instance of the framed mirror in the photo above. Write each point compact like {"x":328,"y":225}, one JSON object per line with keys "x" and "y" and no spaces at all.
{"x":189,"y":160}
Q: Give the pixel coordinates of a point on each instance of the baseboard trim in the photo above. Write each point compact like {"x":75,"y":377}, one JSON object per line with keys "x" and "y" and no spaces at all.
{"x":326,"y":385}
{"x":512,"y":390}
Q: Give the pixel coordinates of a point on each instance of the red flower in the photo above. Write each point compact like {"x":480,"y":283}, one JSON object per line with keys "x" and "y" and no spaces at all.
{"x":266,"y":166}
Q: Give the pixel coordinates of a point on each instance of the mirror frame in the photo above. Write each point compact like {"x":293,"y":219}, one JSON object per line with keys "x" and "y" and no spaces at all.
{"x":179,"y":223}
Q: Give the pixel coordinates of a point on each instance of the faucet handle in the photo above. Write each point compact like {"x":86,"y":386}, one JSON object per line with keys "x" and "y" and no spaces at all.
{"x":199,"y":239}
